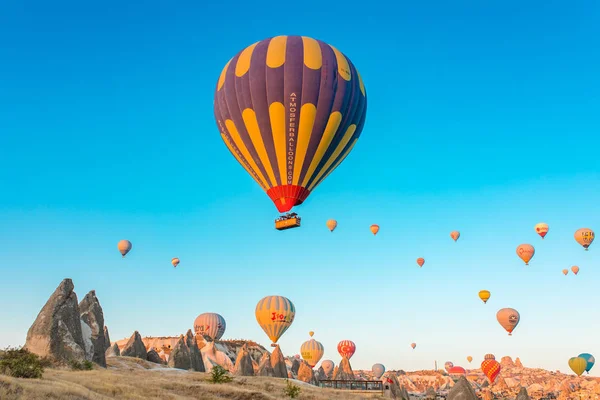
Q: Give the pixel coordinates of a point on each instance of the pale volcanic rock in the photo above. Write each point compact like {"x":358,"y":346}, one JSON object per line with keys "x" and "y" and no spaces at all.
{"x":180,"y":355}
{"x":243,"y":364}
{"x":92,"y":315}
{"x":196,"y":362}
{"x":106,"y":339}
{"x":430,"y":393}
{"x":264,"y":367}
{"x":113,"y":351}
{"x":518,"y":363}
{"x":462,"y":390}
{"x":278,"y":364}
{"x":296,"y":367}
{"x":507,"y":362}
{"x":344,"y":372}
{"x":306,"y":373}
{"x":135,"y":347}
{"x":211,"y":357}
{"x":523,"y":395}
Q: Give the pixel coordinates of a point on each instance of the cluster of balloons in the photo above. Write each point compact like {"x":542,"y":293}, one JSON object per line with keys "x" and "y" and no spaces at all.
{"x":581,"y":363}
{"x":125,"y":246}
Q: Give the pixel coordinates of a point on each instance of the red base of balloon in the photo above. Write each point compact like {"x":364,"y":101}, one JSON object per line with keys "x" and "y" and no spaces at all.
{"x":287,"y":196}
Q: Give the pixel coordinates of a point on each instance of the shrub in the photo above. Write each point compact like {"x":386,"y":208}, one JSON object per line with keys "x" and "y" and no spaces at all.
{"x":291,"y":390}
{"x":219,"y":375}
{"x":81,"y":366}
{"x":20,"y":363}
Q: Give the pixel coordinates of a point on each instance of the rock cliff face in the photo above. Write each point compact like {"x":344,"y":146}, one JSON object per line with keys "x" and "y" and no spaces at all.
{"x":93,"y":316}
{"x":344,"y":371}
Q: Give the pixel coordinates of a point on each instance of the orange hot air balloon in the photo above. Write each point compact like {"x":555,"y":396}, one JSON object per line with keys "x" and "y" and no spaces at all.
{"x":374,"y":228}
{"x":455,"y":235}
{"x":491,"y":369}
{"x":565,"y":271}
{"x":311,"y":333}
{"x":413,"y":345}
{"x":484,"y":295}
{"x":509,"y":319}
{"x":331,"y":224}
{"x":584,"y":237}
{"x":420,"y":261}
{"x":525,"y":252}
{"x":542,"y":229}
{"x":575,"y":269}
{"x":469,"y":359}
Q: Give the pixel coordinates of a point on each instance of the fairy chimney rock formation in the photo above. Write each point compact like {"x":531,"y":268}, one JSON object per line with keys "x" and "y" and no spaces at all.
{"x":344,"y":371}
{"x":92,"y":315}
{"x":278,"y":364}
{"x":135,"y":347}
{"x":243,"y":363}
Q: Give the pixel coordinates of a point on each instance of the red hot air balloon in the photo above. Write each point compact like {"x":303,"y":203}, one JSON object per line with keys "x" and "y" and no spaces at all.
{"x":346,"y":348}
{"x":491,"y":369}
{"x":456,"y":370}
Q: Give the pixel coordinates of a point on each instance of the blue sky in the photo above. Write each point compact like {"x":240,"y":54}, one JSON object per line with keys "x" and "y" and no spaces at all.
{"x":482,"y":117}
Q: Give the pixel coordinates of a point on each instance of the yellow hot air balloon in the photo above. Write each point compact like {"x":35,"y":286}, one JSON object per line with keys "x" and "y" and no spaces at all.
{"x":469,"y":358}
{"x":455,"y":235}
{"x":374,"y":228}
{"x":525,"y":252}
{"x":584,"y":237}
{"x":331,"y":224}
{"x":311,"y":333}
{"x":578,"y":365}
{"x":541,"y":229}
{"x":565,"y":271}
{"x":312,"y":351}
{"x":484,"y":295}
{"x":575,"y":269}
{"x":275,"y":314}
{"x":124,"y":247}
{"x":509,"y":319}
{"x":175,"y":262}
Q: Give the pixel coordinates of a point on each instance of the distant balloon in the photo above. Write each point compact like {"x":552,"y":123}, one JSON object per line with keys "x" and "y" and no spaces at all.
{"x":210,"y":325}
{"x":469,"y":359}
{"x":413,"y":345}
{"x":455,"y":235}
{"x":578,"y":365}
{"x":565,"y":271}
{"x":489,"y":356}
{"x":590,"y":361}
{"x":491,"y":369}
{"x":312,"y":351}
{"x":525,"y":252}
{"x":509,"y":319}
{"x":327,"y":366}
{"x":175,"y":262}
{"x":346,"y":348}
{"x":420,"y":261}
{"x":542,"y":229}
{"x":374,"y":229}
{"x":275,"y":315}
{"x":584,"y":237}
{"x":331,"y":224}
{"x":124,"y":247}
{"x":575,"y":269}
{"x":378,"y":370}
{"x":448,"y":365}
{"x":484,"y":295}
{"x":311,"y":333}
{"x":456,"y":370}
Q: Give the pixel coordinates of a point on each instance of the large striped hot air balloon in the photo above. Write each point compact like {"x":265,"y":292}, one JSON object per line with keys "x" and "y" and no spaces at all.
{"x":210,"y":325}
{"x":275,"y":314}
{"x":346,"y":348}
{"x":491,"y":368}
{"x":290,"y":109}
{"x":312,"y":351}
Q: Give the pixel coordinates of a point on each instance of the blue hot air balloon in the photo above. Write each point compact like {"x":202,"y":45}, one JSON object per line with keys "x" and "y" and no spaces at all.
{"x":590,"y":361}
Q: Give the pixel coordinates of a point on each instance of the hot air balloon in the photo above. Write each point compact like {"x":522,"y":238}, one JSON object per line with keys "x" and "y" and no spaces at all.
{"x":565,"y":271}
{"x":456,"y":370}
{"x":584,"y":237}
{"x":491,"y":369}
{"x":413,"y":345}
{"x":327,"y":366}
{"x":509,"y":319}
{"x":175,"y":262}
{"x":575,"y":269}
{"x":210,"y":326}
{"x":489,"y":356}
{"x":312,"y":351}
{"x":484,"y":295}
{"x":455,"y":235}
{"x":374,"y":229}
{"x":331,"y":224}
{"x":346,"y":348}
{"x":542,"y":229}
{"x":124,"y":247}
{"x":378,"y":370}
{"x":448,"y":365}
{"x":525,"y":252}
{"x":469,"y":359}
{"x":290,"y":109}
{"x":420,"y":261}
{"x":275,"y":314}
{"x":590,"y":361}
{"x":311,"y":333}
{"x":578,"y":365}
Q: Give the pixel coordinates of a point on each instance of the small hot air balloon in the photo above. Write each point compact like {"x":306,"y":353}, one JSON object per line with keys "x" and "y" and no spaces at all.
{"x":327,"y":366}
{"x":312,"y":351}
{"x":489,"y":356}
{"x":590,"y":361}
{"x":210,"y":325}
{"x":311,"y":333}
{"x":374,"y":229}
{"x":509,"y":319}
{"x":584,"y":237}
{"x":575,"y":269}
{"x":175,"y":262}
{"x":448,"y":365}
{"x":124,"y":247}
{"x":331,"y":224}
{"x":420,"y":261}
{"x":413,"y":345}
{"x":275,"y":315}
{"x":491,"y":369}
{"x":455,"y":235}
{"x":525,"y":252}
{"x":346,"y":348}
{"x":484,"y":295}
{"x":469,"y":359}
{"x":378,"y":370}
{"x":542,"y":229}
{"x":578,"y":365}
{"x":565,"y":271}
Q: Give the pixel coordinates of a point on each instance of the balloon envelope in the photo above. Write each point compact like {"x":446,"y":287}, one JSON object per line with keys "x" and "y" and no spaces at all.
{"x":456,"y":370}
{"x":175,"y":262}
{"x":565,"y":271}
{"x":378,"y":370}
{"x":327,"y":366}
{"x":124,"y":247}
{"x":525,"y":252}
{"x":210,"y":325}
{"x":575,"y":269}
{"x":578,"y":365}
{"x":346,"y":348}
{"x":275,"y":315}
{"x":484,"y":295}
{"x":312,"y":351}
{"x":448,"y":365}
{"x":420,"y":261}
{"x":413,"y":345}
{"x":489,"y":356}
{"x":469,"y":359}
{"x":455,"y":235}
{"x":374,"y":229}
{"x":290,"y":109}
{"x":331,"y":224}
{"x":584,"y":237}
{"x":491,"y":369}
{"x":590,"y":360}
{"x":542,"y":229}
{"x":509,"y":319}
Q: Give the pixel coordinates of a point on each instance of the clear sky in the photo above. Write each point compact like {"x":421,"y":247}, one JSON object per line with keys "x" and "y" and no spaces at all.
{"x":483,"y":117}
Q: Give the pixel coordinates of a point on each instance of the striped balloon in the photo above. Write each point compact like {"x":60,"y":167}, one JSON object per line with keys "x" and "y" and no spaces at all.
{"x":290,"y":109}
{"x":312,"y":351}
{"x":346,"y":348}
{"x":275,"y":314}
{"x":210,"y":325}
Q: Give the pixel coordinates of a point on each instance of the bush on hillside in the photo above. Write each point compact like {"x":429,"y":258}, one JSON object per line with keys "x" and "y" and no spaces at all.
{"x":81,"y":366}
{"x":20,"y":363}
{"x":291,"y":390}
{"x":219,"y":375}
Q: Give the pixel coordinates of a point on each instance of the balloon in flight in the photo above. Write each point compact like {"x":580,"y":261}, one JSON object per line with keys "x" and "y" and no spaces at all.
{"x":311,"y":333}
{"x":590,"y":361}
{"x":346,"y":348}
{"x":456,"y":370}
{"x":312,"y":351}
{"x":124,"y":247}
{"x":327,"y":366}
{"x":484,"y":295}
{"x":331,"y":224}
{"x":565,"y":271}
{"x":374,"y":229}
{"x":378,"y":370}
{"x":584,"y":237}
{"x":491,"y":368}
{"x":290,"y":109}
{"x":542,"y":229}
{"x":413,"y":345}
{"x":469,"y":359}
{"x":210,"y":325}
{"x":525,"y":252}
{"x":575,"y":269}
{"x":275,"y":315}
{"x":420,"y":261}
{"x":509,"y":319}
{"x":175,"y":262}
{"x":455,"y":235}
{"x":448,"y":365}
{"x":489,"y":356}
{"x":578,"y":365}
